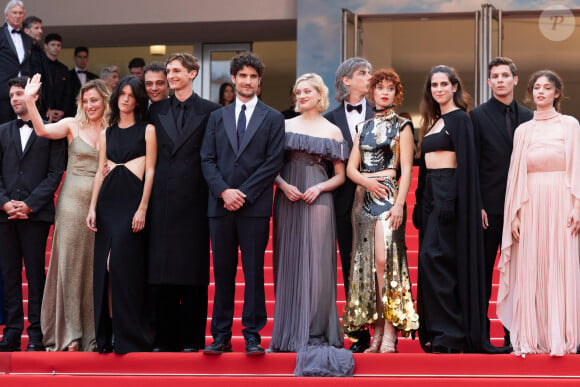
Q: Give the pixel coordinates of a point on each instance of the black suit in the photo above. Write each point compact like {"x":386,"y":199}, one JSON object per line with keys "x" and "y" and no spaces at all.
{"x":32,"y":176}
{"x":74,"y":85}
{"x":494,"y":148}
{"x":10,"y":66}
{"x":250,"y":167}
{"x":179,"y":227}
{"x":57,"y":90}
{"x":344,"y":195}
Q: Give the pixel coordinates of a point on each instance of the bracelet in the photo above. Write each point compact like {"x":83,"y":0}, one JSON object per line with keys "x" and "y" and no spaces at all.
{"x":319,"y":187}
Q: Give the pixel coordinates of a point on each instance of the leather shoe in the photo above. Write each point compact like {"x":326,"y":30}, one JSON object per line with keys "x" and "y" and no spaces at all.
{"x":190,"y":349}
{"x":35,"y":347}
{"x":253,"y":348}
{"x":443,"y":349}
{"x":217,"y":348}
{"x":359,"y":346}
{"x":10,"y":344}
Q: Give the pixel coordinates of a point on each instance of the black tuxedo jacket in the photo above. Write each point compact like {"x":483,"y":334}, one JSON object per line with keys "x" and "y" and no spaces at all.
{"x":74,"y":85}
{"x":251,"y":167}
{"x":32,"y":175}
{"x":178,"y":226}
{"x":344,"y":195}
{"x":9,"y":64}
{"x":494,"y":148}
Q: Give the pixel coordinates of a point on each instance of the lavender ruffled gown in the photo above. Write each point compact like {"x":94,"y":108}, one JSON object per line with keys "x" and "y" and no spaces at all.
{"x":306,"y":318}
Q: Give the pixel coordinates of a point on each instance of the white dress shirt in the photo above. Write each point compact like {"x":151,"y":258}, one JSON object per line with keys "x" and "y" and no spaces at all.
{"x":25,"y":133}
{"x":81,"y":76}
{"x":17,"y":40}
{"x":353,"y":117}
{"x":250,"y":106}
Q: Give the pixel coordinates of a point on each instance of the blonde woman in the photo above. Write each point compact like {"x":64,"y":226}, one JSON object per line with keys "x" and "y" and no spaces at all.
{"x":304,"y":236}
{"x":67,"y":307}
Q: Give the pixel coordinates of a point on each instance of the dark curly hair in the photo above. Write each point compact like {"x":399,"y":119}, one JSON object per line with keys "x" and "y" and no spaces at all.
{"x":388,"y":75}
{"x":246,"y":59}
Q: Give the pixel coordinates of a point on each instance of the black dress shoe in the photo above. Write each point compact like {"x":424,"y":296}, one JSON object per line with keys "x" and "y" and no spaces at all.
{"x":217,"y":348}
{"x":10,"y":344}
{"x":190,"y":349}
{"x":443,"y":349}
{"x":35,"y":347}
{"x":253,"y":348}
{"x":109,"y":348}
{"x":359,"y":346}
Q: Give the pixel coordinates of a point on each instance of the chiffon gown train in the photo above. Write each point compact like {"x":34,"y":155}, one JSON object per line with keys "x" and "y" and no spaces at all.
{"x":306,"y":317}
{"x":120,"y":254}
{"x":67,"y":314}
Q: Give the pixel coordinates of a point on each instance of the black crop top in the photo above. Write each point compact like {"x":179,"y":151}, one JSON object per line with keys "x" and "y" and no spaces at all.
{"x":440,"y":141}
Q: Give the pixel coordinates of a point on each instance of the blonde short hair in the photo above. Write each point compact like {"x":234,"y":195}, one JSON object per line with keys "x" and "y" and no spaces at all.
{"x":316,"y":81}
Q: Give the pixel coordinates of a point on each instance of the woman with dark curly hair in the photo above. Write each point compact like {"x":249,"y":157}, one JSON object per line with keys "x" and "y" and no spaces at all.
{"x":128,"y":150}
{"x":539,"y":288}
{"x":380,"y":288}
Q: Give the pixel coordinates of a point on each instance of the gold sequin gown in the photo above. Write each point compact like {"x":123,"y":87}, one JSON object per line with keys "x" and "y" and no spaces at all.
{"x":379,"y":148}
{"x":67,"y":306}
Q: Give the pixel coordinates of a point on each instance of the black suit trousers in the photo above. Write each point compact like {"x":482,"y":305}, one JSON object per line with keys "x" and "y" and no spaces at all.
{"x":251,"y":234}
{"x":181,"y":316}
{"x":23,"y":239}
{"x":491,"y":242}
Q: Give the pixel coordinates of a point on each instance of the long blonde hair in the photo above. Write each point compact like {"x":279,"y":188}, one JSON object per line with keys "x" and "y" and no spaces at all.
{"x":101,"y":88}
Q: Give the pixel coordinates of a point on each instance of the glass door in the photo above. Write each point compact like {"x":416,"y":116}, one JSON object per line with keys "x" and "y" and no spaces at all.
{"x":215,"y":66}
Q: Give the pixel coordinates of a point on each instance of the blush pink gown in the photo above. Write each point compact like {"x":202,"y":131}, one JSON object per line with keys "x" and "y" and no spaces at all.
{"x":539,"y":290}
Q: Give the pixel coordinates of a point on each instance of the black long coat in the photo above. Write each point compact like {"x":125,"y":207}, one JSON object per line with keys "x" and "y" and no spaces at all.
{"x":177,"y":216}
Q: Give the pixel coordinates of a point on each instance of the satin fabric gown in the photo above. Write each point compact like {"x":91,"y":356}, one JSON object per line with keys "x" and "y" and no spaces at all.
{"x":67,"y":313}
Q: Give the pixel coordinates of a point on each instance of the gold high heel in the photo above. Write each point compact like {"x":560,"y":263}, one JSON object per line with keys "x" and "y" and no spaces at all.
{"x":374,"y":348}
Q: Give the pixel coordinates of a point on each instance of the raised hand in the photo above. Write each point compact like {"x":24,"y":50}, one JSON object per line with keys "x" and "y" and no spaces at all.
{"x":32,"y":86}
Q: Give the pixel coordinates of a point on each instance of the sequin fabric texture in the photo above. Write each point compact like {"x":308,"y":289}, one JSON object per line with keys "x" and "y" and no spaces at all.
{"x":379,"y":146}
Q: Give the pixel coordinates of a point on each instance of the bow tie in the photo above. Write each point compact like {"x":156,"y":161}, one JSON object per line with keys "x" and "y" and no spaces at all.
{"x":17,"y":31}
{"x":81,"y":71}
{"x":350,"y":108}
{"x":20,"y":123}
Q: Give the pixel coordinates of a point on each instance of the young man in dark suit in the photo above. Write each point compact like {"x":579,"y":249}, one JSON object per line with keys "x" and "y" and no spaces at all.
{"x":31,"y":168}
{"x":494,"y":123}
{"x":15,"y":49}
{"x":56,"y":82}
{"x":77,"y":77}
{"x":242,"y":154}
{"x":179,"y":228}
{"x":351,"y":85}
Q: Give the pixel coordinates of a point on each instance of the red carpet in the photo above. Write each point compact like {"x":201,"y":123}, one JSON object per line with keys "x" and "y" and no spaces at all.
{"x":410,"y":367}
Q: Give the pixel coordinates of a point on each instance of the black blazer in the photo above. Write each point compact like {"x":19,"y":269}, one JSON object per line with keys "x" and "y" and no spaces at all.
{"x":57,"y":88}
{"x":178,"y":226}
{"x":252,"y":167}
{"x":494,"y":148}
{"x":32,"y":176}
{"x":74,"y":85}
{"x":9,"y":64}
{"x":344,"y":195}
